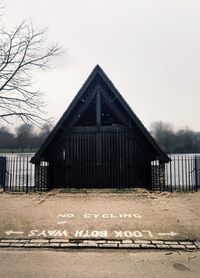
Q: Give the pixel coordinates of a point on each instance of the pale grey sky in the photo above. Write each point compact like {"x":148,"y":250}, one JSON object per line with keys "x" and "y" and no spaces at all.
{"x":150,"y":49}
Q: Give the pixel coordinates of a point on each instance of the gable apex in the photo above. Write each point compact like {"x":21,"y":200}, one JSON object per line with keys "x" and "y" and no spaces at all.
{"x":99,"y":82}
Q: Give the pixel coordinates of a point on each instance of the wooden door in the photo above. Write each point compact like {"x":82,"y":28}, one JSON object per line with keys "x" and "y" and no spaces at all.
{"x":103,"y":159}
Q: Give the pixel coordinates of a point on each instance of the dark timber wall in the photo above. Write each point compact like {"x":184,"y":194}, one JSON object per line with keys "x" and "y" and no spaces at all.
{"x":99,"y":142}
{"x":100,"y":159}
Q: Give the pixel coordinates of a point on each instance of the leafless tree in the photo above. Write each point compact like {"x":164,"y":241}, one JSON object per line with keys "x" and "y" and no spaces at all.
{"x":23,"y":52}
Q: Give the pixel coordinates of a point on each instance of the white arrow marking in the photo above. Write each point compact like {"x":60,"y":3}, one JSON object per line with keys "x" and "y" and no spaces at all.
{"x":61,"y":222}
{"x":13,"y":232}
{"x":167,"y":234}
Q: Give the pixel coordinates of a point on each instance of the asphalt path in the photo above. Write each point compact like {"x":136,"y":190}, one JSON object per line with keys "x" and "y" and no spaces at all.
{"x":105,"y":264}
{"x":140,"y":215}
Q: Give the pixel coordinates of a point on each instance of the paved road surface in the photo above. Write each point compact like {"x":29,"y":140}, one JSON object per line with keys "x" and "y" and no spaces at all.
{"x":116,"y":216}
{"x":87,"y":263}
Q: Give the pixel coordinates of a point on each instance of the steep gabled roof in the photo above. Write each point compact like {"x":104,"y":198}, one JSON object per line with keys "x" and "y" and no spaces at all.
{"x":60,"y":125}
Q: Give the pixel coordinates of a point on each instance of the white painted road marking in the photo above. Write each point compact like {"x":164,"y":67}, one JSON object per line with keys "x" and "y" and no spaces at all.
{"x":111,"y":215}
{"x":132,"y":234}
{"x":61,"y":222}
{"x":102,"y":215}
{"x":65,"y":215}
{"x":46,"y":233}
{"x":167,"y":234}
{"x":14,"y":232}
{"x":89,"y":233}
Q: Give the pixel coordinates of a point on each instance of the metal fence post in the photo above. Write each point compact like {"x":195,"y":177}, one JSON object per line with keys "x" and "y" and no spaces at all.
{"x":3,"y":172}
{"x":27,"y":175}
{"x":196,"y":174}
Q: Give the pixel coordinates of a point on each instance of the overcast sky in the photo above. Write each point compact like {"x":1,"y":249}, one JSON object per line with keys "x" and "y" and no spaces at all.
{"x":150,"y":49}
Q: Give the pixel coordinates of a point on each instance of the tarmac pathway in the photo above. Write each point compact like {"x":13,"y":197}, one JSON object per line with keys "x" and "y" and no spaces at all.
{"x":120,"y":216}
{"x":99,"y":264}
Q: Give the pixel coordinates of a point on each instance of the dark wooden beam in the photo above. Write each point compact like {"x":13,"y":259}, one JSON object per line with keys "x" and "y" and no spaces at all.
{"x":98,"y":108}
{"x":81,"y":110}
{"x":114,"y":109}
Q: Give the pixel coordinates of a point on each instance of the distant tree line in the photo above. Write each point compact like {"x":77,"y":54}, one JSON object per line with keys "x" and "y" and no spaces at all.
{"x":171,"y":141}
{"x":24,"y":138}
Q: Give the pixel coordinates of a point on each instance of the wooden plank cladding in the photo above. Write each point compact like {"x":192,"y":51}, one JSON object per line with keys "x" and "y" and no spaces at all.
{"x":99,"y":142}
{"x":104,"y":159}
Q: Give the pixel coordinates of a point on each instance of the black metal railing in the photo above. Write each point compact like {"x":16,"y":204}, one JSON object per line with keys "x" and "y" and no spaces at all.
{"x":182,"y":173}
{"x":19,"y":175}
{"x":23,"y":176}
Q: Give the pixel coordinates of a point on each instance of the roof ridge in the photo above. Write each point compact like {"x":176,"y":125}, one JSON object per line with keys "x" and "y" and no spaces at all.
{"x":98,"y":70}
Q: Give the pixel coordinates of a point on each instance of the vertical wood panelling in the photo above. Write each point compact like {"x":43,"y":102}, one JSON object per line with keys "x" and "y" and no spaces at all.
{"x":100,"y":159}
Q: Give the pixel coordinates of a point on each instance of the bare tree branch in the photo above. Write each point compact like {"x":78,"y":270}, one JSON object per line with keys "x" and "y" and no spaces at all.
{"x":23,"y":52}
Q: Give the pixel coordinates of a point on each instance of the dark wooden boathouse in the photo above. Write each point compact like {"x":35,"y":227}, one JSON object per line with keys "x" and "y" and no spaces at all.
{"x":99,"y":142}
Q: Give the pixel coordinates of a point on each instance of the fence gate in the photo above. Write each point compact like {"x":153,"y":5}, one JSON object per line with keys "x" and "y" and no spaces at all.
{"x":2,"y":171}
